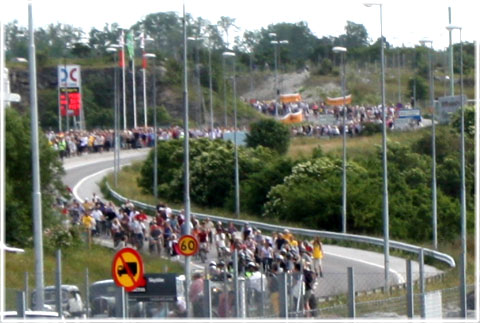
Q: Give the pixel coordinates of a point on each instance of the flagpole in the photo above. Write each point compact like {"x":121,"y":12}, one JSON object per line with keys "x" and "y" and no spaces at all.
{"x":134,"y":91}
{"x":122,"y":59}
{"x":144,"y":67}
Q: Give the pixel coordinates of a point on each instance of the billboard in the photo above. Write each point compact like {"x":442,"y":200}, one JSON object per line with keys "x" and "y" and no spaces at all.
{"x":69,"y":90}
{"x":448,"y":105}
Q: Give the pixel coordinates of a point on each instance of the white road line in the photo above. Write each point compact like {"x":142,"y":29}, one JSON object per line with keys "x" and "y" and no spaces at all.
{"x":83,"y":180}
{"x":401,"y":279}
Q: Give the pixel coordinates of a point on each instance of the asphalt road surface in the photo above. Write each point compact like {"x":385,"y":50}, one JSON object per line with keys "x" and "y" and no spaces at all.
{"x":83,"y":173}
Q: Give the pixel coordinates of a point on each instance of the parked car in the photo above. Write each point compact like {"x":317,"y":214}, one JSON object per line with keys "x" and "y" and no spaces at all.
{"x":32,"y":315}
{"x":72,"y":304}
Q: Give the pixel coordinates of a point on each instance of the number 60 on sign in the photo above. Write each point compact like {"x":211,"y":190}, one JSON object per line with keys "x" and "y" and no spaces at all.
{"x":187,"y":245}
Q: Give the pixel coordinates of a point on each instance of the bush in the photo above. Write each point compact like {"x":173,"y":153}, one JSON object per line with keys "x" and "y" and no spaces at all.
{"x":269,"y":133}
{"x":371,"y":128}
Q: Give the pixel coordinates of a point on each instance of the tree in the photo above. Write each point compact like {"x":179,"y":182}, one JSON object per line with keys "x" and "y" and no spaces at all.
{"x":269,"y":133}
{"x":18,"y":208}
{"x":355,"y":36}
{"x":226,"y":23}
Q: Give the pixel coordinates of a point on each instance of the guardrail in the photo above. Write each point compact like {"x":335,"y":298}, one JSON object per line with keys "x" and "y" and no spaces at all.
{"x":306,"y":232}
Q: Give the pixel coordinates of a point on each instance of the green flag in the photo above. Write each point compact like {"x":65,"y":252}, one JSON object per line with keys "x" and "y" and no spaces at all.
{"x":130,"y":44}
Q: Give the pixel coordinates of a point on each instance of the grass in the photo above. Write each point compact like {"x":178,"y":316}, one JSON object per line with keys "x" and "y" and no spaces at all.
{"x":98,"y":261}
{"x":302,"y":147}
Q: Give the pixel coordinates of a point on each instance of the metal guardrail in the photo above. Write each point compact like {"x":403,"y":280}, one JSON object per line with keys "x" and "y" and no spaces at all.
{"x":306,"y":232}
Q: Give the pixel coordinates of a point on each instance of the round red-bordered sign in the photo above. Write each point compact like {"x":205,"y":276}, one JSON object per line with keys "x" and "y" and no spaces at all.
{"x":127,"y":269}
{"x":187,"y":245}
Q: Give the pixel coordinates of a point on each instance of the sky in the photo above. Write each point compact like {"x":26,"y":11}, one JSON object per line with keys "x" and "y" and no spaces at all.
{"x":405,"y":22}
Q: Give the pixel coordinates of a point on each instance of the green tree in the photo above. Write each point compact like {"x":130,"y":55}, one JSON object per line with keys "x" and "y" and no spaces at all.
{"x":18,"y":208}
{"x":269,"y":133}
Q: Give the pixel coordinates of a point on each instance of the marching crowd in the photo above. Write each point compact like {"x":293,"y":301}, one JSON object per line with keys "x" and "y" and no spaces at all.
{"x":261,"y":258}
{"x":78,"y":142}
{"x":325,"y":120}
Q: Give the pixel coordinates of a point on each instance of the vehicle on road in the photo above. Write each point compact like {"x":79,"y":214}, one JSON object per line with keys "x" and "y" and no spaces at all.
{"x":13,"y":315}
{"x":72,"y":304}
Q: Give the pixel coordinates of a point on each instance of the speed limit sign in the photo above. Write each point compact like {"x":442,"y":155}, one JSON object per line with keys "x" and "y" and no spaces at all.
{"x":187,"y":245}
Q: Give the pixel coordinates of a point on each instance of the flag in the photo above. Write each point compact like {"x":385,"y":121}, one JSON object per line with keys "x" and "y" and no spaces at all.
{"x":121,"y":58}
{"x":130,"y":44}
{"x":144,"y":61}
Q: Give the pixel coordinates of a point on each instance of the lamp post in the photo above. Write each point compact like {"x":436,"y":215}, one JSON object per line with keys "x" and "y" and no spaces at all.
{"x":116,"y":156}
{"x":463,"y":207}
{"x":198,"y":114}
{"x":186,"y":157}
{"x":237,"y":178}
{"x":155,"y":139}
{"x":450,"y":53}
{"x":275,"y":44}
{"x":342,"y":51}
{"x":37,"y":195}
{"x":434,"y":165}
{"x":386,"y":234}
{"x":212,"y":133}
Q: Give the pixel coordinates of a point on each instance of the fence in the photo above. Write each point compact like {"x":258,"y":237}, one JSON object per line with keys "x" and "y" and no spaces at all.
{"x":236,"y":293}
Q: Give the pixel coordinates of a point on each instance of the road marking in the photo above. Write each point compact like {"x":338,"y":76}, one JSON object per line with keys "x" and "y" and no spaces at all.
{"x":401,"y":279}
{"x":83,"y":180}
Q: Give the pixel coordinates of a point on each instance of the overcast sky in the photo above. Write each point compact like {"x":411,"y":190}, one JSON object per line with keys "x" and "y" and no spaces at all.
{"x":404,"y":21}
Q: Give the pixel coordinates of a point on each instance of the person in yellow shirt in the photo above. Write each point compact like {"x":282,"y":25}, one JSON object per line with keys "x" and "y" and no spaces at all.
{"x":317,"y":256}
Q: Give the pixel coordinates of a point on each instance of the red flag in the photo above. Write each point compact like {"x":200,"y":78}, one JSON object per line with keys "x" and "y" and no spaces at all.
{"x":144,"y":61}
{"x":121,"y":58}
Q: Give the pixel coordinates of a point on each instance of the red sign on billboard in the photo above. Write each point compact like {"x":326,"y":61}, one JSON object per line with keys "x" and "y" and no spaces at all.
{"x":70,"y":101}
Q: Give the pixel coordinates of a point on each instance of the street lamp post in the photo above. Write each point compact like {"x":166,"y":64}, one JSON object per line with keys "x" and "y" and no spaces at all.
{"x":37,"y":195}
{"x":342,"y":51}
{"x":186,"y":157}
{"x":155,"y":138}
{"x":116,"y":156}
{"x":434,"y":166}
{"x":235,"y":129}
{"x":463,"y":207}
{"x":212,"y":133}
{"x":275,"y":44}
{"x":386,"y":234}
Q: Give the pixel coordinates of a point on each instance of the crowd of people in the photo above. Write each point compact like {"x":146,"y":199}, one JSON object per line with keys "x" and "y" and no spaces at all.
{"x":78,"y":142}
{"x":325,"y":120}
{"x":260,"y":257}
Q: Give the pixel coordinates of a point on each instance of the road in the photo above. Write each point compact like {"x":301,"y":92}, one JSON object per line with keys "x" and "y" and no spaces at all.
{"x":83,"y":174}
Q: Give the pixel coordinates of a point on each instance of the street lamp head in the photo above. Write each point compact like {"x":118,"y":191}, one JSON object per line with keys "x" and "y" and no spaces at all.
{"x":275,"y":42}
{"x":371,"y":4}
{"x":426,"y":41}
{"x":191,"y":38}
{"x":226,"y":54}
{"x":283,"y":42}
{"x":111,"y":49}
{"x":272,"y":34}
{"x":338,"y":49}
{"x":452,"y":27}
{"x":149,"y":55}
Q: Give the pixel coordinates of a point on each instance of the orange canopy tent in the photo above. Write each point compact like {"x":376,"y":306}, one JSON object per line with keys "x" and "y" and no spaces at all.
{"x":290,"y":118}
{"x":288,"y":98}
{"x":339,"y":101}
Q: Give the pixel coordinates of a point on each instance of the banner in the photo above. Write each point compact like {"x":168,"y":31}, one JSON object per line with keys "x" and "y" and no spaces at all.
{"x":288,"y":98}
{"x":339,"y":101}
{"x":130,"y":45}
{"x":290,"y":118}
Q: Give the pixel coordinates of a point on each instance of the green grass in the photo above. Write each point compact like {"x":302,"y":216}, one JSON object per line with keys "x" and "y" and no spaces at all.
{"x":75,"y":262}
